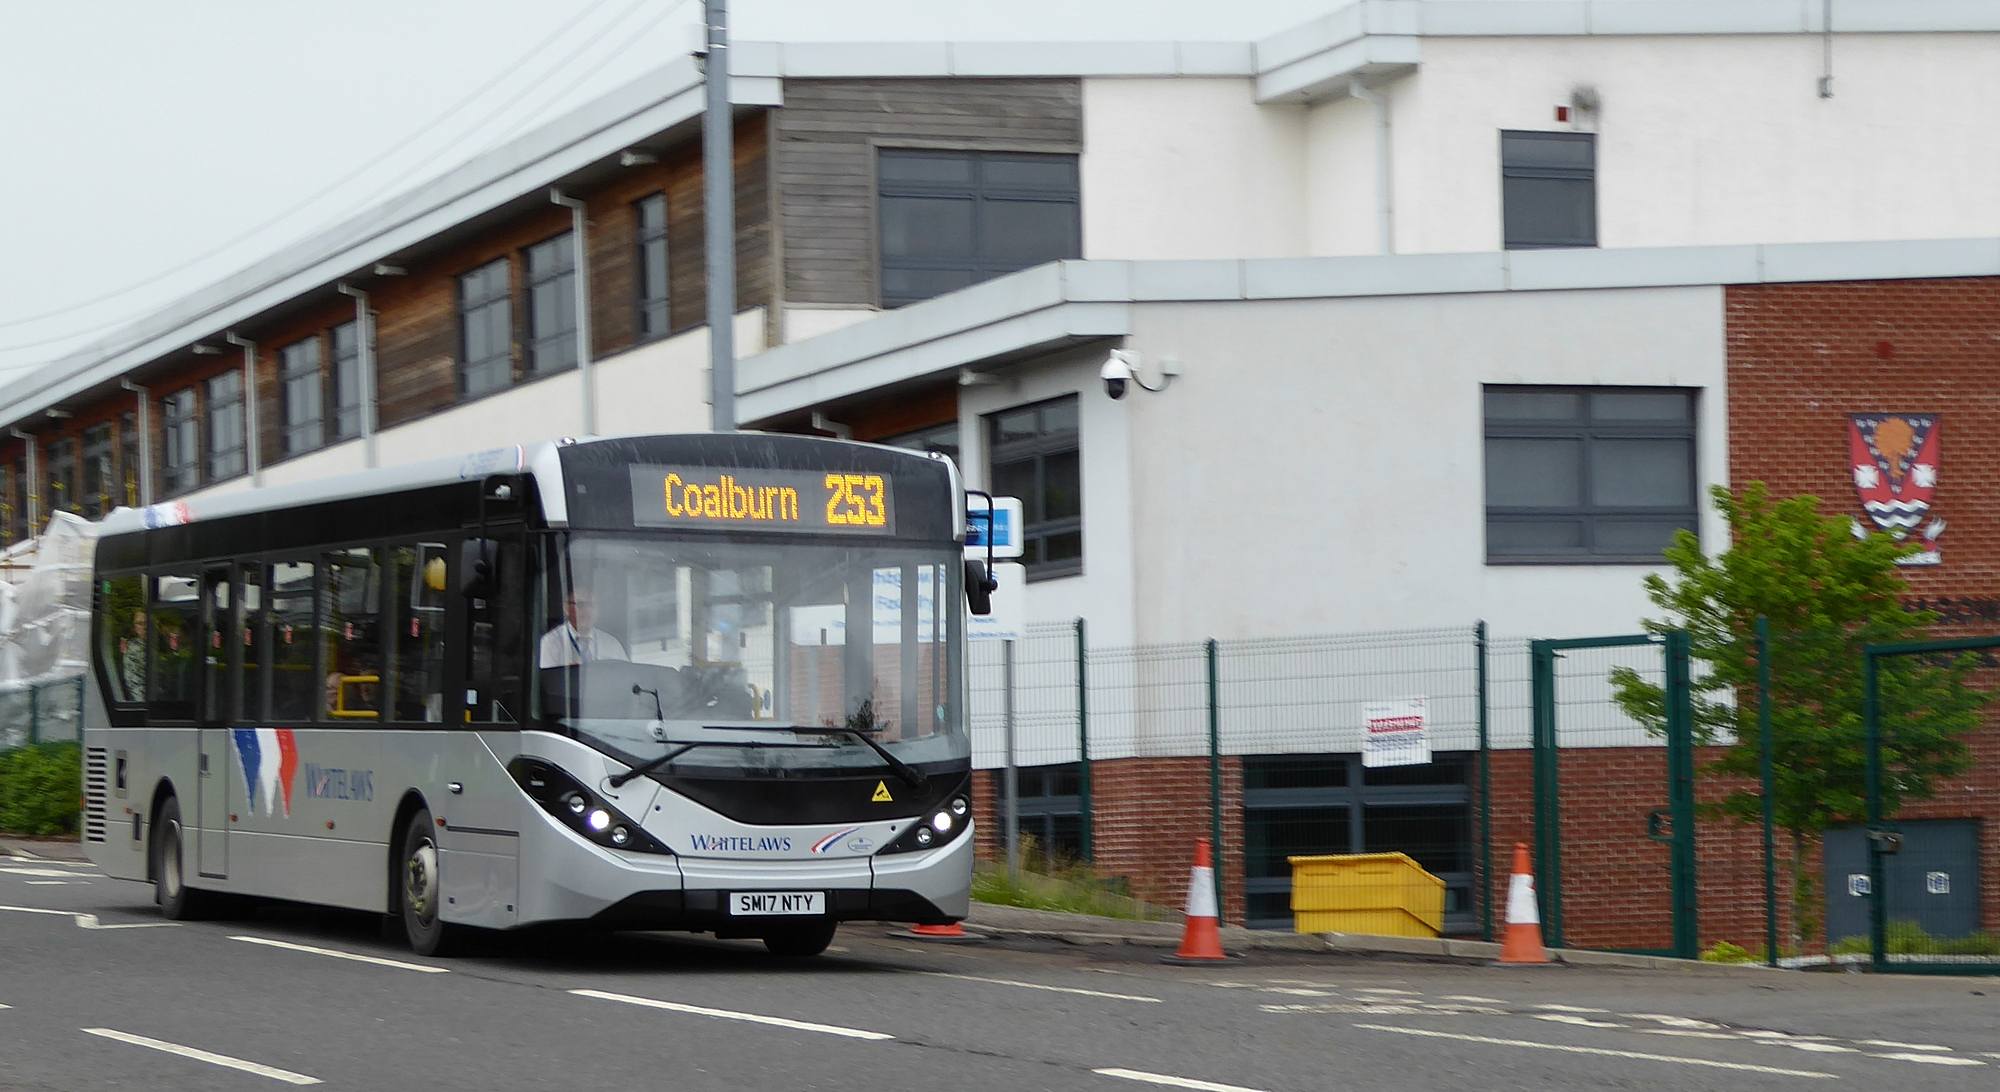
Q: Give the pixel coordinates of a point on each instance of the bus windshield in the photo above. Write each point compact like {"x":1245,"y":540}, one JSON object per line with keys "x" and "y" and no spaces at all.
{"x":744,"y":646}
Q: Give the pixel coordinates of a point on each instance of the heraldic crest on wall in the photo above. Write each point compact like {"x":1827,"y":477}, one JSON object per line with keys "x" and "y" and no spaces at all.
{"x":1895,"y":461}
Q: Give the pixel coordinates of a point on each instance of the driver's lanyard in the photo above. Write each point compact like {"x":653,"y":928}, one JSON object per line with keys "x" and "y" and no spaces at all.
{"x":577,"y":645}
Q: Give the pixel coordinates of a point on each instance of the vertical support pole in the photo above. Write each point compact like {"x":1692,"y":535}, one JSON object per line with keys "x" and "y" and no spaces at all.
{"x":143,"y":421}
{"x":34,"y":715}
{"x":1485,"y":787}
{"x":1215,"y":774}
{"x":1871,"y":721}
{"x":1680,"y":763}
{"x":718,"y":185}
{"x":1548,"y":812}
{"x":579,"y":227}
{"x":364,"y":368}
{"x":1767,"y":781}
{"x":1010,"y":787}
{"x":1085,"y":824}
{"x":253,"y":442}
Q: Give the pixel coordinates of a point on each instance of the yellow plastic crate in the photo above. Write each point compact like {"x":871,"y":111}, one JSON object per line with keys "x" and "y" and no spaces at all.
{"x":1376,"y":894}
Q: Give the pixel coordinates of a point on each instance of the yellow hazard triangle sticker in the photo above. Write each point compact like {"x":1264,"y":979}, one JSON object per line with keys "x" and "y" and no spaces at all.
{"x":882,"y":794}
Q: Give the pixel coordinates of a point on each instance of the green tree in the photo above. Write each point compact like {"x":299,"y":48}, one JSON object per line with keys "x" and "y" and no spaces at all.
{"x":1827,"y":593}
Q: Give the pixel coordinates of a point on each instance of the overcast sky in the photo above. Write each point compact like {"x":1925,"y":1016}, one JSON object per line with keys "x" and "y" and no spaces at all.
{"x":138,"y":138}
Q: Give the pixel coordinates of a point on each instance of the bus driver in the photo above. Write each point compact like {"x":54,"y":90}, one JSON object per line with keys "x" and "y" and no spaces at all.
{"x":578,"y":640}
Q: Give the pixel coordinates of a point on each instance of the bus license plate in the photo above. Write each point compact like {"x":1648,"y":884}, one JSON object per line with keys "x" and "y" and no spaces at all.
{"x":768,"y":903}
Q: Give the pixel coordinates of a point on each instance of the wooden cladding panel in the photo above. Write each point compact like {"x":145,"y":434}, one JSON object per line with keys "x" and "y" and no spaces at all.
{"x":826,"y":136}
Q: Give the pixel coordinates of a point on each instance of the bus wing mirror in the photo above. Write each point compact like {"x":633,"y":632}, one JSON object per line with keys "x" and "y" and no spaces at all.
{"x":979,"y":588}
{"x":476,"y":567}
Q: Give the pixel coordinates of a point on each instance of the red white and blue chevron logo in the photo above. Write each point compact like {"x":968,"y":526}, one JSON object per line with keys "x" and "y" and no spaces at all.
{"x":270,"y":760}
{"x":1895,"y":462}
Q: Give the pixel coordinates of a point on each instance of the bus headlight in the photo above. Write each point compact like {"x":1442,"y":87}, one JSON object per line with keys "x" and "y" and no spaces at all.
{"x":578,"y":808}
{"x":942,"y":822}
{"x":959,"y":806}
{"x":947,"y":816}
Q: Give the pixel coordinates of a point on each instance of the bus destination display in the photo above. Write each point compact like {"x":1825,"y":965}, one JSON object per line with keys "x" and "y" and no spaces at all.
{"x":747,"y":498}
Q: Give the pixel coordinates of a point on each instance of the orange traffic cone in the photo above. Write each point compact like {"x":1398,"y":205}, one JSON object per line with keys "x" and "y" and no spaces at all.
{"x":1523,"y":940}
{"x":954,"y":933}
{"x":1201,"y":939}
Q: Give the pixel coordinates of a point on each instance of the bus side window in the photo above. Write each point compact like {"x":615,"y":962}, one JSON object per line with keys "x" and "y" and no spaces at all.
{"x":171,"y":641}
{"x":353,"y":637}
{"x":421,"y":577}
{"x":256,"y":641}
{"x":494,"y":684}
{"x":121,"y":639}
{"x":290,"y":618}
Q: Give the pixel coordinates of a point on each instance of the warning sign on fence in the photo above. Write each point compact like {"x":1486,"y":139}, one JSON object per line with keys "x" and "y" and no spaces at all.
{"x":1394,"y":733}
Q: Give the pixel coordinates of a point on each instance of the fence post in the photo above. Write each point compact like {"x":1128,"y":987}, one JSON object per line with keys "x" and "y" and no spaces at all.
{"x":1548,"y":805}
{"x":1681,"y":793}
{"x":1215,"y":772}
{"x":1087,"y":832}
{"x":1767,"y":779}
{"x":1878,"y":905}
{"x":34,"y":714}
{"x":1485,"y":790}
{"x":1010,"y":787}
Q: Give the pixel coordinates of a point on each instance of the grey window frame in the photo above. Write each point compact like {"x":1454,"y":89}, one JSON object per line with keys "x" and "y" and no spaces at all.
{"x":551,"y":351}
{"x":223,"y":461}
{"x":180,"y":449}
{"x":981,"y":195}
{"x":1585,"y":429}
{"x":344,"y":375}
{"x":652,"y":314}
{"x":1528,"y":171}
{"x":476,"y":297}
{"x":300,"y":367}
{"x":1037,"y":528}
{"x":99,"y":452}
{"x":128,"y":456}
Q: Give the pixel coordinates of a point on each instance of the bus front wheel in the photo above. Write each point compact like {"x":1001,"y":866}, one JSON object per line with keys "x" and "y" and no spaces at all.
{"x":178,"y":901}
{"x":800,"y":941}
{"x":422,"y":891}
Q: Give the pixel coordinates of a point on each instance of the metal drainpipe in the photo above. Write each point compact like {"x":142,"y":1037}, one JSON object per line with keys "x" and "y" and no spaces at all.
{"x":1385,"y":198}
{"x":578,"y":224}
{"x":364,"y":364}
{"x":29,"y":492}
{"x":145,"y":420}
{"x":251,"y":441}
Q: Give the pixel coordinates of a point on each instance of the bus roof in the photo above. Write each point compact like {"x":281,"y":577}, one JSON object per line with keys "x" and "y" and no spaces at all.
{"x":542,"y":459}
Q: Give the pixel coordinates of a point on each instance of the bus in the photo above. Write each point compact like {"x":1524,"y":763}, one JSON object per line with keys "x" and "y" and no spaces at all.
{"x":712,"y":683}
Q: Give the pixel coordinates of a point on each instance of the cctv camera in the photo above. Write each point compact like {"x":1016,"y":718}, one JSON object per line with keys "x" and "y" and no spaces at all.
{"x":1116,"y":373}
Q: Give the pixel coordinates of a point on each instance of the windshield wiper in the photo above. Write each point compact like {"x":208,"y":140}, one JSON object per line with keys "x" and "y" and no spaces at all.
{"x":651,"y":764}
{"x":910,"y":774}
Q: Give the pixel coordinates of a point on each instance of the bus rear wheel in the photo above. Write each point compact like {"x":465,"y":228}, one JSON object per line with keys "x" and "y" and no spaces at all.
{"x":178,"y":901}
{"x":800,"y":941}
{"x":421,"y":890}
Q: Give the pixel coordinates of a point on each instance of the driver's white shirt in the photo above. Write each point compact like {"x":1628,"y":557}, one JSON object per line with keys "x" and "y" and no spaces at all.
{"x":566,"y":645}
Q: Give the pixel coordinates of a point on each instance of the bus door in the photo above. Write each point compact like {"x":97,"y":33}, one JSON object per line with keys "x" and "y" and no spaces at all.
{"x":216,"y":705}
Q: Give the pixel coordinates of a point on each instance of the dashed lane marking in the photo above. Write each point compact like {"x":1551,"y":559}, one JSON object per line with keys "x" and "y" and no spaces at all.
{"x":16,"y":858}
{"x":1571,"y":1008}
{"x":1398,"y":993}
{"x":89,"y":921}
{"x":1579,"y":1021}
{"x":355,"y":956}
{"x":1894,"y":1045}
{"x":51,"y":872}
{"x":1171,"y":1081}
{"x":47,"y":883}
{"x":210,"y":1057}
{"x":727,"y":1014}
{"x":1930,"y":1059}
{"x":1565,"y":1048}
{"x":1474,"y":999}
{"x":1040,"y":986}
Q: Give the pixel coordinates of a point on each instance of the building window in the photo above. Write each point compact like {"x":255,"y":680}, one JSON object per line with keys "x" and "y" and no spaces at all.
{"x":99,"y":481}
{"x":225,"y":426}
{"x":1588,"y":473}
{"x":948,"y":219}
{"x":485,"y":325}
{"x":180,"y":455}
{"x":304,"y":386}
{"x":346,"y":382}
{"x":936,"y":440}
{"x":650,"y":277}
{"x":61,"y":476}
{"x":1035,"y":454}
{"x":552,"y":305}
{"x":1548,"y":189}
{"x":9,"y":531}
{"x":128,"y":458}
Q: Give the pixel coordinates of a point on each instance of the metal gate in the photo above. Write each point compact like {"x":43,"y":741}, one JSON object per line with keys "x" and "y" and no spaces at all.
{"x":1614,"y":796}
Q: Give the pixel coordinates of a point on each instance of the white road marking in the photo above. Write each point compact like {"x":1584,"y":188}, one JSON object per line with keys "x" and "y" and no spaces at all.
{"x":1894,"y":1045}
{"x":1401,"y":993}
{"x":1296,"y":991}
{"x":46,"y":883}
{"x":1723,"y":1035}
{"x":1678,"y":1021}
{"x":726,"y":1014}
{"x":17,"y":859}
{"x":1569,"y":1008}
{"x":37,"y":872}
{"x":1475,"y":999}
{"x":89,"y":921}
{"x":225,"y":1060}
{"x":1040,"y":986}
{"x":355,"y":956}
{"x":1810,"y":1046}
{"x":1579,"y":1021}
{"x":6,"y":1006}
{"x":1930,"y":1059}
{"x":1175,"y":1082}
{"x":1567,"y":1049}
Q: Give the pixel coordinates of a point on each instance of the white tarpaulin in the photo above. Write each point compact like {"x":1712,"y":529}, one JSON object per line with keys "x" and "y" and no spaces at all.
{"x":45,"y":618}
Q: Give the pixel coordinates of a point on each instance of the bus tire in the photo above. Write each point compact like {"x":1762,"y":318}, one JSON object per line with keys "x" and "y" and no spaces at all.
{"x":420,"y":890}
{"x":800,"y":941}
{"x":178,"y":901}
